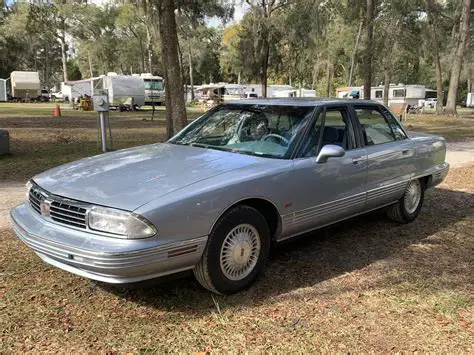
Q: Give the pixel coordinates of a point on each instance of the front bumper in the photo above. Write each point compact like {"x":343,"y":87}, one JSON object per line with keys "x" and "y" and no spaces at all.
{"x":102,"y":258}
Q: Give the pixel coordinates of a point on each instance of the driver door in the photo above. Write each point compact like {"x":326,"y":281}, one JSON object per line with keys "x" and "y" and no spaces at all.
{"x":330,"y":191}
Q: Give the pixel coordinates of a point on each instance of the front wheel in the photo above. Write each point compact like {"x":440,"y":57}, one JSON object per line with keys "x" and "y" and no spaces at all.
{"x":408,"y":207}
{"x":236,"y":251}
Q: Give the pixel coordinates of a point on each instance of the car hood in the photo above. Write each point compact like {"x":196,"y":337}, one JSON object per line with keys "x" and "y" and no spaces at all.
{"x":129,"y":178}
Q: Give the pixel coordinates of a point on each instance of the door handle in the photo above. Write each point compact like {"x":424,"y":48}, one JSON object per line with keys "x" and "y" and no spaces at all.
{"x":358,"y":160}
{"x":405,"y":151}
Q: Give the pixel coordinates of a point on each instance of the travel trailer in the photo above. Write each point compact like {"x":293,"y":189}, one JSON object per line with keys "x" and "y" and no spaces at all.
{"x":25,"y":85}
{"x":3,"y":90}
{"x":401,"y":94}
{"x":124,"y":90}
{"x":470,"y":100}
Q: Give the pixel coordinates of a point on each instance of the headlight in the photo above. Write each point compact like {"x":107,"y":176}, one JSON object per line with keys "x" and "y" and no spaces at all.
{"x":124,"y":224}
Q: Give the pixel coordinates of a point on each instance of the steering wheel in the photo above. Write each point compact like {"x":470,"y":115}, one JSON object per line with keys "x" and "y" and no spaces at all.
{"x":274,"y":135}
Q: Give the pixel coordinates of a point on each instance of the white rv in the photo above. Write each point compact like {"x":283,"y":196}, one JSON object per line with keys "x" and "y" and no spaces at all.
{"x":154,"y":89}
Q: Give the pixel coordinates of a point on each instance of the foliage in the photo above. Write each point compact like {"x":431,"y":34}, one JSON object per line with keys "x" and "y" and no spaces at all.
{"x":307,"y":43}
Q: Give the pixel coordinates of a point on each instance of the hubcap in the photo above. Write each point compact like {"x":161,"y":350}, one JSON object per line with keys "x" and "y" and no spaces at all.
{"x":412,"y":196}
{"x":240,"y":252}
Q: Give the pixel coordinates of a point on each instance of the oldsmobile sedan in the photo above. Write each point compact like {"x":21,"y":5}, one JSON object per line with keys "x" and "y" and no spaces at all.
{"x":215,"y":197}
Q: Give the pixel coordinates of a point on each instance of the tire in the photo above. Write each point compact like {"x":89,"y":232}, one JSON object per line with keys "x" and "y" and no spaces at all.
{"x":408,"y":207}
{"x":221,"y":268}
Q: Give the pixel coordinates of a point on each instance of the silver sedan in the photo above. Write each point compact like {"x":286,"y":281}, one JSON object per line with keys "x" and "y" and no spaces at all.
{"x":214,"y":198}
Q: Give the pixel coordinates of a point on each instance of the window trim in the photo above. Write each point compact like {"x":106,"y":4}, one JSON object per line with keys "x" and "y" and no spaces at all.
{"x":379,"y":109}
{"x":323,"y":110}
{"x":379,"y":92}
{"x":386,"y":112}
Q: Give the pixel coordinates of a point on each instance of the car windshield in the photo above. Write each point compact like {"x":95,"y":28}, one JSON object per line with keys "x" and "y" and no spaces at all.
{"x":261,"y":130}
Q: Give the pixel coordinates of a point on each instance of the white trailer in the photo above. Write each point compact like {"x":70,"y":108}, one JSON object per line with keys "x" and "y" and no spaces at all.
{"x":25,"y":84}
{"x":124,"y":90}
{"x":3,"y":89}
{"x":401,"y":94}
{"x":470,"y":100}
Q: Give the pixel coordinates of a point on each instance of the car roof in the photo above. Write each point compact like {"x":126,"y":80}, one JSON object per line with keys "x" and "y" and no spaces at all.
{"x":299,"y":101}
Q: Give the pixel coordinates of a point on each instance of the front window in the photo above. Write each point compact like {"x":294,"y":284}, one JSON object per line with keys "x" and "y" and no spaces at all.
{"x":153,"y":84}
{"x":260,"y":130}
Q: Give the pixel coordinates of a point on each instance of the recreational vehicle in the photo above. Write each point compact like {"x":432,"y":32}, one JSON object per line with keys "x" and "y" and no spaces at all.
{"x":154,"y":89}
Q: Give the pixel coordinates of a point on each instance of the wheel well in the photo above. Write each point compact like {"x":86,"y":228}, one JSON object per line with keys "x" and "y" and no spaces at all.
{"x":268,"y":211}
{"x":426,"y":181}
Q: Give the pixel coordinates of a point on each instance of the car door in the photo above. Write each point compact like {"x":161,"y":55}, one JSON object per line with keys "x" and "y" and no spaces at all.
{"x":390,"y":154}
{"x":327,"y":192}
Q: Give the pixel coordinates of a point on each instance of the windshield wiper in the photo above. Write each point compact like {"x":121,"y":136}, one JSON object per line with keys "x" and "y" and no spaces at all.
{"x":258,"y":154}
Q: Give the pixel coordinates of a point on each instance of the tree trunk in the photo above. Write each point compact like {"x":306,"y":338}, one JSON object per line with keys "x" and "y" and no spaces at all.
{"x":458,"y":58}
{"x":435,"y":41}
{"x":149,"y":50}
{"x":354,"y":53}
{"x":90,"y":63}
{"x":265,"y":58}
{"x":386,"y":86}
{"x":368,"y":49}
{"x":328,"y":87}
{"x":191,"y":81}
{"x":64,"y":54}
{"x":175,"y":106}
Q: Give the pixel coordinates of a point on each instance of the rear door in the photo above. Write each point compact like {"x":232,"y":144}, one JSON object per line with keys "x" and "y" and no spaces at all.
{"x":330,"y":191}
{"x":390,"y":154}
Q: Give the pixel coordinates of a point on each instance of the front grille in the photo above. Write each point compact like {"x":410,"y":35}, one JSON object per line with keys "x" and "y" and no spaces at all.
{"x":60,"y":210}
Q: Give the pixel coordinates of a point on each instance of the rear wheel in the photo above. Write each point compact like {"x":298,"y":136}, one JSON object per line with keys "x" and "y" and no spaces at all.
{"x":236,"y":251}
{"x":408,"y":207}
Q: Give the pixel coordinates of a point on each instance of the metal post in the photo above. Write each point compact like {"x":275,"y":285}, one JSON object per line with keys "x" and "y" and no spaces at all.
{"x":103,"y":131}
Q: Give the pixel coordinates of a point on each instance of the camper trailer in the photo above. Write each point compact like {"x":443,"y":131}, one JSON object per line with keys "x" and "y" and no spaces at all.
{"x":124,"y":90}
{"x":25,"y":85}
{"x":3,"y":90}
{"x":154,"y":89}
{"x":470,"y":99}
{"x":401,"y":94}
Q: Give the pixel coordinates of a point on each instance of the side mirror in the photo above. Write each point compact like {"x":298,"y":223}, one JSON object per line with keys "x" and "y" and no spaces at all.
{"x":329,"y":151}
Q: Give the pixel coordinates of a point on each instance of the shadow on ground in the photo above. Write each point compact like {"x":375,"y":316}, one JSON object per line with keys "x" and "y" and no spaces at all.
{"x":335,"y":251}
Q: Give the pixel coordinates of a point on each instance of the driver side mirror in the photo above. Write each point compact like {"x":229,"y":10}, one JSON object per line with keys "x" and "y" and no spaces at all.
{"x":329,"y":151}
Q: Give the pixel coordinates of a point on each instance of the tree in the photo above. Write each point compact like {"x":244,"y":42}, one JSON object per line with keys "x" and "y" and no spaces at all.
{"x":175,"y":104}
{"x":433,"y":25}
{"x":369,"y":32}
{"x":263,"y":34}
{"x":458,"y":57}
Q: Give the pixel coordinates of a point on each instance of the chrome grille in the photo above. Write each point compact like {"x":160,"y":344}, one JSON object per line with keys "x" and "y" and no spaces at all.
{"x":60,"y":210}
{"x":35,"y":199}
